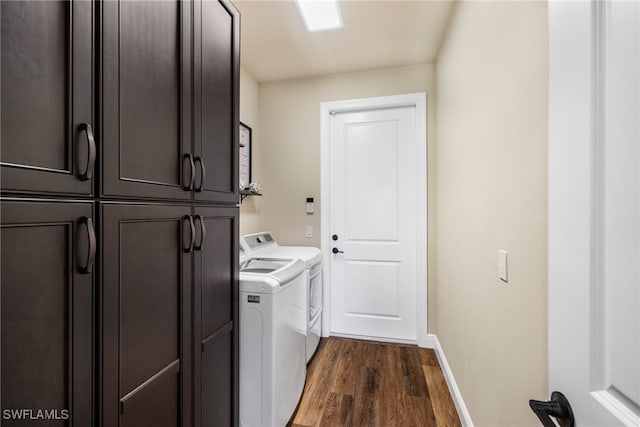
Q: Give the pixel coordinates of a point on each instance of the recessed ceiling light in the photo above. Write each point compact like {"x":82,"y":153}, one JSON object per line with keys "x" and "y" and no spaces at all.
{"x":320,"y":14}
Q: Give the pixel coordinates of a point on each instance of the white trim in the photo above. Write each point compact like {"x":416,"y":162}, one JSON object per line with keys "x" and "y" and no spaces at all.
{"x":419,"y":101}
{"x":613,"y":405}
{"x":431,"y":342}
{"x":463,"y":412}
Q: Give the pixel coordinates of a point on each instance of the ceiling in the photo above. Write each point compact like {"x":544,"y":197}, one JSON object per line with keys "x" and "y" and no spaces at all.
{"x":376,"y":34}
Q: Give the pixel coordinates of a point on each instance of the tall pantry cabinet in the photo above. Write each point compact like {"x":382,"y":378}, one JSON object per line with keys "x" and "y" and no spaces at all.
{"x":119,"y":286}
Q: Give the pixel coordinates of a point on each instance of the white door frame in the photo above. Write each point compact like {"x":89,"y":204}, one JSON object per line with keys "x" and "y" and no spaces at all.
{"x":419,"y":101}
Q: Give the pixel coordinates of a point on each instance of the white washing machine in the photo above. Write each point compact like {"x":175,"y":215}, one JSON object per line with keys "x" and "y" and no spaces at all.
{"x":272,"y":339}
{"x":263,"y":244}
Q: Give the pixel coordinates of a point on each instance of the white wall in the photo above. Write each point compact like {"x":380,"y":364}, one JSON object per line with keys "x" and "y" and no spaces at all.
{"x":288,"y":165}
{"x":491,"y":194}
{"x":250,"y":207}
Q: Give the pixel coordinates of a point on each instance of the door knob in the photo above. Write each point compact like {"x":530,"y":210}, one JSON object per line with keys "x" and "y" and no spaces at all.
{"x":558,"y":407}
{"x":336,"y":251}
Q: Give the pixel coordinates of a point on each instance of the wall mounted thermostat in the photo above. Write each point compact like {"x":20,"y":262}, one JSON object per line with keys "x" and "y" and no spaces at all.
{"x":309,"y":205}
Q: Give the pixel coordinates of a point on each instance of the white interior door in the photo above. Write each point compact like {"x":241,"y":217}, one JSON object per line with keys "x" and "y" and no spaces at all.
{"x":373,"y":216}
{"x":594,"y":209}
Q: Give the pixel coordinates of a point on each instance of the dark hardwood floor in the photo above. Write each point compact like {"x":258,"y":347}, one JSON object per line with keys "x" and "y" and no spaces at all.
{"x":361,"y":383}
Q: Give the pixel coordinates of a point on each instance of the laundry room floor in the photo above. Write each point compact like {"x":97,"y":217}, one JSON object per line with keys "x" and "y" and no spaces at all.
{"x":363,"y":383}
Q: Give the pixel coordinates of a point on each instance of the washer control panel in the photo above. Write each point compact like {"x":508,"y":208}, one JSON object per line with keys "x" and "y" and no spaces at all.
{"x":260,"y":240}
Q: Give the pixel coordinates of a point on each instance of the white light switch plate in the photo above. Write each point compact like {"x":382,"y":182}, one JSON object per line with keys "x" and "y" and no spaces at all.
{"x":309,"y":231}
{"x":503,"y":267}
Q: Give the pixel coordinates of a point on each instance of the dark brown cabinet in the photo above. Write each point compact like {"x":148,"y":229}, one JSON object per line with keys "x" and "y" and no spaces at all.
{"x":150,"y":148}
{"x":216,"y":344}
{"x":47,"y":309}
{"x":135,"y":322}
{"x":216,"y":77}
{"x":155,"y":323}
{"x":146,"y":99}
{"x":47,"y":97}
{"x":146,"y":315}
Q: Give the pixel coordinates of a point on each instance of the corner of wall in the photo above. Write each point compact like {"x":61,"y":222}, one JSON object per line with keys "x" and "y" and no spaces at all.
{"x":249,"y":115}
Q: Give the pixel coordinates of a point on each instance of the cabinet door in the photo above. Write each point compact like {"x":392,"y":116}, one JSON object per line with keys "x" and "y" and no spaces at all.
{"x":216,"y":317}
{"x":47,"y":97}
{"x":47,"y":317}
{"x":146,"y":93}
{"x":146,"y":315}
{"x":217,"y":73}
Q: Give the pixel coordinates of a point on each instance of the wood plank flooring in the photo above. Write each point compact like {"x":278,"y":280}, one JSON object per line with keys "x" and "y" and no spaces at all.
{"x":362,"y":383}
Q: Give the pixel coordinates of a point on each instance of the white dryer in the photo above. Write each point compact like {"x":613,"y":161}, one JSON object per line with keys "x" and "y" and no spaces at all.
{"x":263,"y":244}
{"x":272,"y":339}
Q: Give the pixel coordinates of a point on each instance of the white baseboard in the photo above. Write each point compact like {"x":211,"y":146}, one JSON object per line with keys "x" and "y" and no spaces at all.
{"x":431,"y":341}
{"x":463,"y":412}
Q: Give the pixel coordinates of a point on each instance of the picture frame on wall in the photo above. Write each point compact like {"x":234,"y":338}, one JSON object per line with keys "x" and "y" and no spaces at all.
{"x":245,"y":156}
